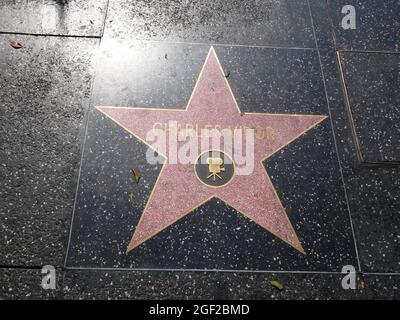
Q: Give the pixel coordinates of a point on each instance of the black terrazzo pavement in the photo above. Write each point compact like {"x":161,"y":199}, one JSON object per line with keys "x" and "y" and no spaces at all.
{"x":84,"y":284}
{"x":372,"y":81}
{"x":272,"y":22}
{"x":53,"y":17}
{"x":377,"y":25}
{"x":47,"y":87}
{"x":44,"y":94}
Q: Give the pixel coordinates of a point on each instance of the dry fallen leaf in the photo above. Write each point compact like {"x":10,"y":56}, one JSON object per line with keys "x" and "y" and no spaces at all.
{"x":15,"y":44}
{"x":132,"y":198}
{"x":277,"y":284}
{"x":136,"y":175}
{"x":386,"y":34}
{"x":362,"y":281}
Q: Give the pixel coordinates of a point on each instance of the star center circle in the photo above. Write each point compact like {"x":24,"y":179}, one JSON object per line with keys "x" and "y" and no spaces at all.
{"x":214,"y":168}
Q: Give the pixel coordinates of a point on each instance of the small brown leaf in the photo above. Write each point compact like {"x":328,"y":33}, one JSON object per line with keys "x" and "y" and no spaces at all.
{"x":362,"y":281}
{"x":15,"y":44}
{"x":277,"y":284}
{"x":136,"y":175}
{"x":132,"y":198}
{"x":386,"y":34}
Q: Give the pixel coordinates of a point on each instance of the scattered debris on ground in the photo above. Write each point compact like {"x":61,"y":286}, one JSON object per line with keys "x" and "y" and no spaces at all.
{"x":362,"y":281}
{"x":15,"y":44}
{"x":132,"y":198}
{"x":136,"y":175}
{"x":277,"y":284}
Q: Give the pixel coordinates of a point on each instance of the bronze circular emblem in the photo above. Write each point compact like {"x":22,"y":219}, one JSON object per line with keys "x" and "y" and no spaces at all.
{"x":214,"y":168}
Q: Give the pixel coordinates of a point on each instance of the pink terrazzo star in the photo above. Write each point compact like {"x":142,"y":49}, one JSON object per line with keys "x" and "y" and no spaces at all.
{"x":178,"y":191}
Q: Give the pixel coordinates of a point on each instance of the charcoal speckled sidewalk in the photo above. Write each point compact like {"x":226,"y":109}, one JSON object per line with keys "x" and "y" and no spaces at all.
{"x":83,"y":82}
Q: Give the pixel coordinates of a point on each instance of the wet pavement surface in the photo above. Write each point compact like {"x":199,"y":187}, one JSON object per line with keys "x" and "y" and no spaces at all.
{"x":66,"y":183}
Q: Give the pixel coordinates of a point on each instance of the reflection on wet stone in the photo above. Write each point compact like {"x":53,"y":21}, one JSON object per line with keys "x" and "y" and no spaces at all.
{"x":59,"y":17}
